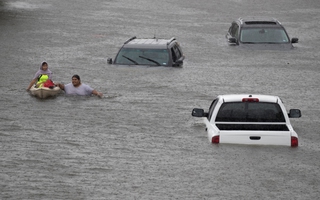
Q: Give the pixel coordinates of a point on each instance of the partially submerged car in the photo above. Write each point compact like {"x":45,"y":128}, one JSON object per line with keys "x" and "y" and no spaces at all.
{"x":249,"y":119}
{"x":259,"y":33}
{"x":151,"y":52}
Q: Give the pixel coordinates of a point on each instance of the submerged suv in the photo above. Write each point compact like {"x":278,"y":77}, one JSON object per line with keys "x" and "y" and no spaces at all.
{"x":259,"y":32}
{"x":151,"y":52}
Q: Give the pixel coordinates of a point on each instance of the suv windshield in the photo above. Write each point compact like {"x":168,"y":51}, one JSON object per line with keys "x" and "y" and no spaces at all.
{"x":250,"y":112}
{"x":129,"y":56}
{"x":263,"y":35}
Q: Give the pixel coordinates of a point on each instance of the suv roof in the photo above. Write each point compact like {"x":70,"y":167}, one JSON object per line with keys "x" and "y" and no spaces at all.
{"x":150,"y":51}
{"x":154,"y":43}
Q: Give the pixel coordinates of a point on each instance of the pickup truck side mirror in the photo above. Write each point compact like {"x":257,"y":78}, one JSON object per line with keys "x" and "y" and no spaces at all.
{"x":294,"y":113}
{"x":198,"y":112}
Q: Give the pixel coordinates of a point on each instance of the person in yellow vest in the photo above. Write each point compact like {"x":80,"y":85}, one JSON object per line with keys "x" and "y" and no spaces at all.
{"x":41,"y":76}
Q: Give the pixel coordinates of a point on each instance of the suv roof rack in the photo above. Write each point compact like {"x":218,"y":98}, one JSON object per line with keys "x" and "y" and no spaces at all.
{"x":171,"y":39}
{"x":258,"y":20}
{"x":134,"y":37}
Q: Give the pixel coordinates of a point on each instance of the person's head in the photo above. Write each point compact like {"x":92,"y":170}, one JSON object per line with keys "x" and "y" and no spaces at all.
{"x":44,"y":66}
{"x":76,"y":80}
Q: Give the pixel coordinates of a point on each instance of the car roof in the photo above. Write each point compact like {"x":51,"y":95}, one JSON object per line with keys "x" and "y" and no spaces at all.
{"x":150,"y":43}
{"x":259,"y":21}
{"x":239,"y":97}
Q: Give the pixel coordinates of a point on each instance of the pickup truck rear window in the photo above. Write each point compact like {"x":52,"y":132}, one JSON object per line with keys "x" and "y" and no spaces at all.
{"x":250,"y":112}
{"x":253,"y":127}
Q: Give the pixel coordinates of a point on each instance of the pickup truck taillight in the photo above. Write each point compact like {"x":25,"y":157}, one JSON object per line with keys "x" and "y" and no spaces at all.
{"x":294,"y":141}
{"x":215,"y":139}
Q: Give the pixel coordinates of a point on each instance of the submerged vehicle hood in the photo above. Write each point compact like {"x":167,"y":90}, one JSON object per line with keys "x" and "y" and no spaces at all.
{"x":287,"y":46}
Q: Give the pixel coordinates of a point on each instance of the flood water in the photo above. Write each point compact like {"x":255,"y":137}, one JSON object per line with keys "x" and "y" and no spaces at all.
{"x":139,"y":141}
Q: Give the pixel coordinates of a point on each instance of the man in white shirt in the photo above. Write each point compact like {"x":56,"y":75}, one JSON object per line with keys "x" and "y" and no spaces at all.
{"x":78,"y":88}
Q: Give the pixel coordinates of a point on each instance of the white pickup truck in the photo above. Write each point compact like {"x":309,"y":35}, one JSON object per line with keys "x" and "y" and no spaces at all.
{"x":249,"y":119}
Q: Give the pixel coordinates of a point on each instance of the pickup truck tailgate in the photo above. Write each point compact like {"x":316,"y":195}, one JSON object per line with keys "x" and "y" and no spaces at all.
{"x":256,"y":137}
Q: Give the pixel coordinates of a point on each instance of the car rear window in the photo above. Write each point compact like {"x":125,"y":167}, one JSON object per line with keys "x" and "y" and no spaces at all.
{"x":250,"y":112}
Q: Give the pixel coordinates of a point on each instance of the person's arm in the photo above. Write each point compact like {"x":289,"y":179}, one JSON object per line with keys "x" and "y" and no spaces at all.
{"x":31,"y":83}
{"x":95,"y":92}
{"x":61,"y":86}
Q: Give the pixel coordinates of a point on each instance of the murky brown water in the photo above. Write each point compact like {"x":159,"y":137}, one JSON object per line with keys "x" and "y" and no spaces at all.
{"x":140,"y":141}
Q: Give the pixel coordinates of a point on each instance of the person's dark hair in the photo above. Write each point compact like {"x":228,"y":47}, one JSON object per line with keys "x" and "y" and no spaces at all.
{"x":44,"y":63}
{"x":76,"y":76}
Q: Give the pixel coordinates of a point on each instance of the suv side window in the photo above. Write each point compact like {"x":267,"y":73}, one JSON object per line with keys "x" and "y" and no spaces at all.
{"x":176,"y":54}
{"x":179,"y":49}
{"x":230,"y":30}
{"x":212,"y":106}
{"x":234,"y":30}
